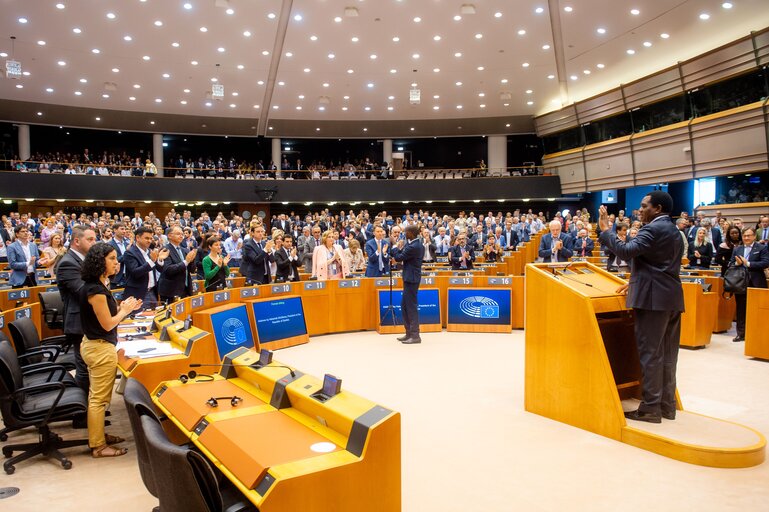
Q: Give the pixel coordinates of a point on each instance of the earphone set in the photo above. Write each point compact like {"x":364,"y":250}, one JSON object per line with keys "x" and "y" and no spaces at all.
{"x":192,"y":375}
{"x":214,"y":400}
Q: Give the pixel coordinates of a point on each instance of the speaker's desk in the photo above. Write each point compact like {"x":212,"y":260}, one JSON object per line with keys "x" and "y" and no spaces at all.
{"x":589,"y":380}
{"x":756,"y":317}
{"x":284,"y":449}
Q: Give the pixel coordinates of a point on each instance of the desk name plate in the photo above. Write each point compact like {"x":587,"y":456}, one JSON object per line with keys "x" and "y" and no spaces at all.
{"x":221,"y":297}
{"x":386,"y":282}
{"x":18,"y":294}
{"x":22,"y":313}
{"x":281,"y":288}
{"x":249,"y":292}
{"x":461,"y":280}
{"x":314,"y":285}
{"x":499,"y":280}
{"x":196,"y":302}
{"x":179,"y":309}
{"x":349,"y":283}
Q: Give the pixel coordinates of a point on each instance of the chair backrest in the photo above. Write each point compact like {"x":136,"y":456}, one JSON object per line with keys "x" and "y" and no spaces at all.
{"x":185,"y":480}
{"x":24,"y":334}
{"x":53,"y":308}
{"x":138,"y":403}
{"x":11,"y":379}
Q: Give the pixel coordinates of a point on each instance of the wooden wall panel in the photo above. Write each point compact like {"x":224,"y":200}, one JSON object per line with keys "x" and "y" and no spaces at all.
{"x":729,"y":60}
{"x":570,"y":168}
{"x":662,"y":155}
{"x":609,"y":165}
{"x":653,"y":88}
{"x":607,"y":104}
{"x":557,"y":121}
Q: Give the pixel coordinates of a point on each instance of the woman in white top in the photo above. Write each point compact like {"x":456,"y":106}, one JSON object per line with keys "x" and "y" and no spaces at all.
{"x":354,"y":257}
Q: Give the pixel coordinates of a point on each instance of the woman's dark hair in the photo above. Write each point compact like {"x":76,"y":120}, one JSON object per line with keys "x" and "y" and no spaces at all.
{"x":95,"y":263}
{"x":207,"y":241}
{"x":729,"y":240}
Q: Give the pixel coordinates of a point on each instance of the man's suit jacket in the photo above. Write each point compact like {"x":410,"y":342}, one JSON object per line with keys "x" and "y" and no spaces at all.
{"x":254,"y":256}
{"x":307,"y":251}
{"x":5,"y":237}
{"x":655,"y":259}
{"x":443,"y":245}
{"x":758,"y":259}
{"x":175,"y":277}
{"x":118,"y":280}
{"x":513,"y":234}
{"x":431,"y":247}
{"x":411,"y":257}
{"x":17,"y":260}
{"x":372,"y":264}
{"x":478,"y":241}
{"x":455,"y":257}
{"x":546,"y":245}
{"x":284,"y":265}
{"x":583,"y":246}
{"x":137,"y":272}
{"x":69,"y":283}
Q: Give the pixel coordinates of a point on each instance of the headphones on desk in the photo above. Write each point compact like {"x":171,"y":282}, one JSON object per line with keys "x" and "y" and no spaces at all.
{"x":214,"y":400}
{"x":192,"y":374}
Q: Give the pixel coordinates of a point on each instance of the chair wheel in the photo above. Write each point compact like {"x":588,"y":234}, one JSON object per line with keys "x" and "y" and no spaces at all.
{"x":66,"y":464}
{"x":3,"y":437}
{"x":7,"y":452}
{"x":9,"y":469}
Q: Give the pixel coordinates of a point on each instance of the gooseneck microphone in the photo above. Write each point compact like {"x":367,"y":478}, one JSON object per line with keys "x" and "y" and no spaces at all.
{"x":255,"y":366}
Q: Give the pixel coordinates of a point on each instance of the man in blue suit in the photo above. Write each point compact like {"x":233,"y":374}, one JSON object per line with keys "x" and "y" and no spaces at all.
{"x":121,"y":245}
{"x":583,"y":245}
{"x":141,"y":266}
{"x":377,"y":250}
{"x":755,"y":257}
{"x":410,"y":252}
{"x":23,"y":256}
{"x":657,"y":298}
{"x":462,"y":255}
{"x":556,"y":246}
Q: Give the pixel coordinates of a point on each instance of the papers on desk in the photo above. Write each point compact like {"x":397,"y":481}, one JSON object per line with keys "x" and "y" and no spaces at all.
{"x":146,"y":348}
{"x":135,"y":324}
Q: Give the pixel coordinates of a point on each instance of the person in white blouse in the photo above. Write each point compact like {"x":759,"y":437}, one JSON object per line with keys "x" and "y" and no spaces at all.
{"x":354,"y":257}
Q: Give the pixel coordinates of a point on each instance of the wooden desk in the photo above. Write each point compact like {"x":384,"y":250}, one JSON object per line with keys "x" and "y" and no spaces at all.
{"x":756,"y":332}
{"x":698,"y":321}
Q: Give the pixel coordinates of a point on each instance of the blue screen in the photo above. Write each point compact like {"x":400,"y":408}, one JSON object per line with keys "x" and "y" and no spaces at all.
{"x":479,"y":306}
{"x":279,"y":319}
{"x":232,"y":330}
{"x":429,"y":307}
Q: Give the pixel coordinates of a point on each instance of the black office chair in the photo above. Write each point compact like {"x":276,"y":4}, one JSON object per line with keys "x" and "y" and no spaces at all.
{"x":53,"y":309}
{"x":36,"y":406}
{"x":26,"y":339}
{"x":138,"y":403}
{"x":185,"y":479}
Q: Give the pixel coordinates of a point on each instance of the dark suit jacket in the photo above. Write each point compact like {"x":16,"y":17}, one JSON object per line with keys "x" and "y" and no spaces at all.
{"x":758,"y":259}
{"x":118,"y":280}
{"x":655,"y":259}
{"x":284,"y":266}
{"x":411,"y":257}
{"x":254,"y":258}
{"x":546,"y":245}
{"x":432,"y":248}
{"x":577,"y":247}
{"x":69,"y":283}
{"x":372,"y":266}
{"x":137,"y":272}
{"x":513,"y":239}
{"x":455,"y":257}
{"x":706,"y":255}
{"x":175,"y":277}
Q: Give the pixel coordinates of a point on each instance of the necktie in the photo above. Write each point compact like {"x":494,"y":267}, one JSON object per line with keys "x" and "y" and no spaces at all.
{"x":181,"y":258}
{"x":765,"y":234}
{"x":266,"y":260}
{"x":463,"y":263}
{"x":747,"y":251}
{"x":290,"y":267}
{"x":381,"y":263}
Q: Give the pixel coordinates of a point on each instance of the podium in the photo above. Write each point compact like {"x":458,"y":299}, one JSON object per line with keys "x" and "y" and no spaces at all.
{"x":589,"y":380}
{"x":756,"y":333}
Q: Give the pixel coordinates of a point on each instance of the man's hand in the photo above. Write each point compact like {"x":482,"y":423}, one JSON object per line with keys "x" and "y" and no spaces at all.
{"x":163,"y":254}
{"x":191,"y":256}
{"x":154,"y":255}
{"x":622,"y":290}
{"x":603,"y":218}
{"x":559,"y":245}
{"x":739,"y":260}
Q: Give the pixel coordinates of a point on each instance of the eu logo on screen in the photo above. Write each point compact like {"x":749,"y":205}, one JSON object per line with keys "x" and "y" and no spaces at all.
{"x":479,"y":307}
{"x":233,"y":331}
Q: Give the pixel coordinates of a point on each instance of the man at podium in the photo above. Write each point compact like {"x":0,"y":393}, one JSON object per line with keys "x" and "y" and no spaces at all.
{"x":656,"y":296}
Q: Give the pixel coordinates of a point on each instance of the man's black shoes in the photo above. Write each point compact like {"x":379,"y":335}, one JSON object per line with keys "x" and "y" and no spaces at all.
{"x":644,"y":416}
{"x":669,"y":415}
{"x":738,"y":338}
{"x":404,"y":338}
{"x":411,"y":341}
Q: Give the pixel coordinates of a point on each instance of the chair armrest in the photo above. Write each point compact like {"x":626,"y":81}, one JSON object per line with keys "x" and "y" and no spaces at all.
{"x":48,"y":386}
{"x":51,"y":369}
{"x":50,"y":351}
{"x":54,"y":340}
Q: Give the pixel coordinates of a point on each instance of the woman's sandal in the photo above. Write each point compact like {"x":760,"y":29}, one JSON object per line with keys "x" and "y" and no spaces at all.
{"x":106,"y":450}
{"x":110,"y":439}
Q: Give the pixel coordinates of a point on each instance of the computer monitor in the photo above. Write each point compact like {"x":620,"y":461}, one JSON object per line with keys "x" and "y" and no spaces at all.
{"x":332,"y":386}
{"x":232,"y":330}
{"x":279,"y":319}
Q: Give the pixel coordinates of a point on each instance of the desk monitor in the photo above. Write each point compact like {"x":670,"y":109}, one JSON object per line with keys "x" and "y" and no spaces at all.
{"x":231,"y":330}
{"x":279,"y":318}
{"x":428,"y":301}
{"x":479,"y":309}
{"x":332,"y":386}
{"x":265,"y":357}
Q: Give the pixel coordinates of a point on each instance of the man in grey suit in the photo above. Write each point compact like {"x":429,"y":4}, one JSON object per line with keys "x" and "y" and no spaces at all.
{"x":657,"y":298}
{"x":69,"y":282}
{"x":309,"y":247}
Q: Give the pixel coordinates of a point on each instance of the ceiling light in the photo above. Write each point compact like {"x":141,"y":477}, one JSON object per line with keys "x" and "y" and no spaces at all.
{"x":301,"y":96}
{"x":704,"y":16}
{"x":539,"y":10}
{"x":96,"y":50}
{"x":61,"y":63}
{"x":497,"y":14}
{"x":481,"y":94}
{"x":600,"y":66}
{"x":504,"y":81}
{"x":574,"y":77}
{"x":222,"y":50}
{"x":41,"y":43}
{"x":116,"y":70}
{"x":265,"y":52}
{"x":389,"y":97}
{"x":281,"y":83}
{"x":586,"y":71}
{"x":390,"y":108}
{"x":158,"y":23}
{"x":479,"y":36}
{"x":521,"y":32}
{"x":76,"y":30}
{"x":326,"y":84}
{"x":635,"y":12}
{"x":396,"y":39}
{"x":132,"y":98}
{"x":436,"y":38}
{"x":631,"y":52}
{"x":338,"y":19}
{"x":232,"y":105}
{"x":367,"y":109}
{"x":83,"y":80}
{"x":230,"y":11}
{"x":393,"y":71}
{"x":111,"y":15}
{"x":417,"y":19}
{"x":60,"y":6}
{"x":98,"y":118}
{"x":459,"y":107}
{"x":241,"y":66}
{"x":256,"y":106}
{"x":313,"y":38}
{"x":183,"y":102}
{"x":482,"y":105}
{"x":457,"y":17}
{"x":306,"y":70}
{"x":105,"y":95}
{"x":23,"y":20}
{"x":550,"y":77}
{"x":26,"y":73}
{"x":187,"y":91}
{"x":289,"y":54}
{"x":49,"y":89}
{"x":436,"y":70}
{"x":415,"y":56}
{"x":507,"y":125}
{"x":203,"y":29}
{"x":458,"y":84}
{"x":545,"y":46}
{"x":647,"y":44}
{"x":458,"y":54}
{"x":568,"y":8}
{"x":412,"y":128}
{"x":530,"y":103}
{"x":275,"y":107}
{"x":480,"y":68}
{"x":260,"y":82}
{"x":370,"y":85}
{"x":331,"y":56}
{"x":601,"y":30}
{"x":725,"y":5}
{"x":146,"y":57}
{"x":165,"y":75}
{"x":158,"y":100}
{"x":137,"y":86}
{"x":208,"y":104}
{"x":19,"y":86}
{"x":665,"y":36}
{"x":175,"y":44}
{"x":297,"y":17}
{"x":525,"y":65}
{"x":344,"y":108}
{"x":78,"y":93}
{"x":299,"y":108}
{"x":127,"y":38}
{"x":372,"y":56}
{"x":188,"y":6}
{"x":436,"y":107}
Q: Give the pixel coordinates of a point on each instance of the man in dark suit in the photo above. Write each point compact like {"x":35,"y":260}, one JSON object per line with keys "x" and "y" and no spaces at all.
{"x":429,"y":246}
{"x":5,"y":240}
{"x":656,"y":296}
{"x":754,"y":256}
{"x":141,"y":268}
{"x":555,"y":246}
{"x":69,"y":282}
{"x":120,"y":244}
{"x":257,"y":255}
{"x":287,"y":261}
{"x":410,"y":252}
{"x":176,"y":271}
{"x":462,"y":255}
{"x":509,"y":237}
{"x":377,"y":250}
{"x":583,"y":245}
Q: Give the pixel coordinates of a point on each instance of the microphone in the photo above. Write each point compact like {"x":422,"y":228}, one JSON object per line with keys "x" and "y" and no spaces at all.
{"x":255,"y":366}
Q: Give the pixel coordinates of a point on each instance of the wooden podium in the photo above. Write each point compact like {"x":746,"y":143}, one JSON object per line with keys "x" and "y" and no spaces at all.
{"x":756,"y":333}
{"x":588,"y":380}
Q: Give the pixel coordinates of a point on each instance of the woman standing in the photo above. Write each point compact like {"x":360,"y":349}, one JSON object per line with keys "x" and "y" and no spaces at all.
{"x":215,"y":267}
{"x":328,"y":261}
{"x":701,"y":251}
{"x":492,"y":252}
{"x":53,"y":253}
{"x":100,"y":316}
{"x":48,"y":231}
{"x":724,"y":251}
{"x":354,"y":256}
